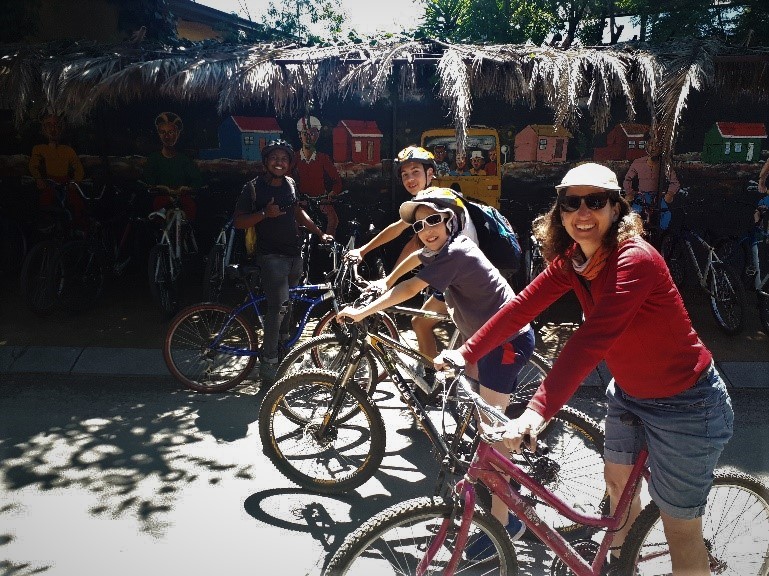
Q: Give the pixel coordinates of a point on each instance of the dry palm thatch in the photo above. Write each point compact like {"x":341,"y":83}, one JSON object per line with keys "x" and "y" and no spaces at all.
{"x":292,"y":79}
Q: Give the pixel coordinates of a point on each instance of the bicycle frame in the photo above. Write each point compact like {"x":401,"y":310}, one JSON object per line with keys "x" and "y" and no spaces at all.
{"x":253,"y":301}
{"x":756,"y":237}
{"x":489,"y":465}
{"x":689,"y":237}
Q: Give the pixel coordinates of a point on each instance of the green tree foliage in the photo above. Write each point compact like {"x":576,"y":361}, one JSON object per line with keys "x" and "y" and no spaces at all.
{"x":293,"y":17}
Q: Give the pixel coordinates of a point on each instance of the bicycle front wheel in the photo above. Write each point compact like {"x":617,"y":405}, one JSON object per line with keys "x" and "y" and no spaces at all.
{"x":328,"y":353}
{"x":735,"y":528}
{"x":529,"y":378}
{"x":727,"y":298}
{"x":37,"y":278}
{"x":397,"y":539}
{"x":336,"y":460}
{"x":78,"y":276}
{"x":195,"y":361}
{"x":329,"y":325}
{"x":163,"y":280}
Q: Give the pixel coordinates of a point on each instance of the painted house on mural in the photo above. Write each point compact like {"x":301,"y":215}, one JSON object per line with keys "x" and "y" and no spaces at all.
{"x":358,"y":141}
{"x":541,"y":143}
{"x":626,"y":141}
{"x":243,"y":137}
{"x":733,"y":142}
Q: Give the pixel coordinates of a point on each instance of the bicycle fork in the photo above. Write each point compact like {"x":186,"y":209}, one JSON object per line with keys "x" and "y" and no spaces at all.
{"x":466,"y":494}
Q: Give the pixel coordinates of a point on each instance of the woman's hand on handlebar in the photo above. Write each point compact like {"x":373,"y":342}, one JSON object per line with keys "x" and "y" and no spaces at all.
{"x":377,"y":287}
{"x":354,"y":255}
{"x":449,"y":359}
{"x":528,"y":426}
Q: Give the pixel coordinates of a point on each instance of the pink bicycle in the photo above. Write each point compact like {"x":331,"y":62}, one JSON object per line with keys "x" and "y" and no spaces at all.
{"x":429,"y":535}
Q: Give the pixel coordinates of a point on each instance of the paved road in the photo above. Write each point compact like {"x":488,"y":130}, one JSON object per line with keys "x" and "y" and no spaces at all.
{"x":137,"y":476}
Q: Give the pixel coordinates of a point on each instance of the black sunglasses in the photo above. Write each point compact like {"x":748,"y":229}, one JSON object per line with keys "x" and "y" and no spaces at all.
{"x":594,"y":201}
{"x":431,"y":220}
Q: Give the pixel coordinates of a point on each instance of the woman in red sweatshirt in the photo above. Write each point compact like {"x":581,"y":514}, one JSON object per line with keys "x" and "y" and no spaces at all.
{"x":635,"y":320}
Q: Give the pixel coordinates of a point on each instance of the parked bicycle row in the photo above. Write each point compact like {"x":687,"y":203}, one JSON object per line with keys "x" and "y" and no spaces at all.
{"x":320,"y":425}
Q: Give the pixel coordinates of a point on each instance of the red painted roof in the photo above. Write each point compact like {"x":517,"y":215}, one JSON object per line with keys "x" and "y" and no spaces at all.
{"x":741,"y":129}
{"x":362,"y":128}
{"x":256,"y":124}
{"x":634,"y":130}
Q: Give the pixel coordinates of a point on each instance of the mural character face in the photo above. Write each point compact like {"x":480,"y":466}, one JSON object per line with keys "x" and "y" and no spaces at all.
{"x":492,"y":155}
{"x":477,"y":162}
{"x":309,"y":137}
{"x":169,"y":134}
{"x":440,"y":153}
{"x":52,"y":128}
{"x":461,"y":162}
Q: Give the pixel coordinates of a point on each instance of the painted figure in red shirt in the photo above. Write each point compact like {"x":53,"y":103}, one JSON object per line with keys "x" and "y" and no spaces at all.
{"x":315,"y":172}
{"x":635,"y":320}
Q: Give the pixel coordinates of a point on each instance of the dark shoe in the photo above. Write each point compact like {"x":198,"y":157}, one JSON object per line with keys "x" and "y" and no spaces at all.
{"x":480,"y":546}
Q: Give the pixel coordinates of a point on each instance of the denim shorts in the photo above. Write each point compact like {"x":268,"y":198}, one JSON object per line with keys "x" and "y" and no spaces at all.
{"x":499,"y":369}
{"x":685,"y":434}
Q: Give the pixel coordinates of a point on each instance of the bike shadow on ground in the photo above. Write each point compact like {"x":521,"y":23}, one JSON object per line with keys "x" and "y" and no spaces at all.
{"x":226,"y":416}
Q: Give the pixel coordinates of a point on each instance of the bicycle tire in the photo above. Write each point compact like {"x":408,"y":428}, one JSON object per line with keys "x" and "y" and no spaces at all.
{"x":735,"y":528}
{"x":163,"y":286}
{"x":330,"y":351}
{"x":727,"y":298}
{"x":190,"y":360}
{"x":395,"y":540}
{"x":329,"y":325}
{"x":349,"y":454}
{"x":36,"y":281}
{"x":732,"y":252}
{"x":675,"y":257}
{"x":78,"y":276}
{"x":213,"y":273}
{"x":763,"y":310}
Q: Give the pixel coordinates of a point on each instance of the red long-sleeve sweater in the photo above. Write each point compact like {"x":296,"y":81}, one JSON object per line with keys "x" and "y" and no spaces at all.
{"x":634,"y":319}
{"x":316,"y":176}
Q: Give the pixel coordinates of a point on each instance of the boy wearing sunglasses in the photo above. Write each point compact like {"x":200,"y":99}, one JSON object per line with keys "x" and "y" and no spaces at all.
{"x":416,"y":167}
{"x":593,"y":242}
{"x":474,"y":291}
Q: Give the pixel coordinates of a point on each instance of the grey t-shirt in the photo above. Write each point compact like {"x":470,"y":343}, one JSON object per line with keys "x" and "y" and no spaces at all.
{"x":473,"y":287}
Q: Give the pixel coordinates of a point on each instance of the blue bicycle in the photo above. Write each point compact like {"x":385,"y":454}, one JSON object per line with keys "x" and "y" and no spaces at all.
{"x":212,"y":347}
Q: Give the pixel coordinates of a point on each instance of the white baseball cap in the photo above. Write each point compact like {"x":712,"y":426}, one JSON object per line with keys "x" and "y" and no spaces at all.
{"x":590,"y":174}
{"x":306,"y":122}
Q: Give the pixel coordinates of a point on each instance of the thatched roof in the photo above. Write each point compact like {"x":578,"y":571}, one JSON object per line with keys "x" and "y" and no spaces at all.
{"x":75,"y":77}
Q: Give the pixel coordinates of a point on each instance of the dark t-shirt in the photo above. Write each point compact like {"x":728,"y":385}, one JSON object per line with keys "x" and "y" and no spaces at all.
{"x":279,"y":235}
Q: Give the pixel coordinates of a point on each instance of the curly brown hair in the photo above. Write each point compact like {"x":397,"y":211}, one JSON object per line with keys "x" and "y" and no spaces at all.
{"x":555,"y":241}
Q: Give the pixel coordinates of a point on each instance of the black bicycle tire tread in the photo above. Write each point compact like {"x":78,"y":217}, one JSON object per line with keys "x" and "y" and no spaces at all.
{"x":739,"y":296}
{"x":651,"y":513}
{"x":170,"y":364}
{"x":376,"y":426}
{"x":25,"y":281}
{"x":358,"y":540}
{"x":168,"y":307}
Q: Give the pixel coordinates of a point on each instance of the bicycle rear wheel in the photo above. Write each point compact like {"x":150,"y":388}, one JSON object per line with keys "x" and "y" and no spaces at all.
{"x":732,"y":253}
{"x":735,"y":528}
{"x":163,"y":278}
{"x":396,"y":540}
{"x":213,"y":275}
{"x":78,"y":276}
{"x":344,"y":457}
{"x":36,"y":281}
{"x":192,"y":360}
{"x":727,"y":298}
